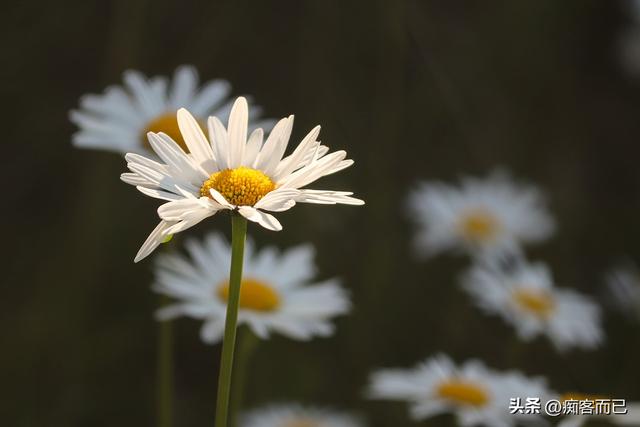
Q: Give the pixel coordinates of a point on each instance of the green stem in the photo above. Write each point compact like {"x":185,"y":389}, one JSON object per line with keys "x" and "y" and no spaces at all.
{"x":238,"y":235}
{"x":247,"y":343}
{"x":164,"y":397}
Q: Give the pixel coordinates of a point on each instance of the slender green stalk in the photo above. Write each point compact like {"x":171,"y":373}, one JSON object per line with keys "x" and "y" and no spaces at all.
{"x":238,"y":235}
{"x":247,"y":343}
{"x":164,"y":371}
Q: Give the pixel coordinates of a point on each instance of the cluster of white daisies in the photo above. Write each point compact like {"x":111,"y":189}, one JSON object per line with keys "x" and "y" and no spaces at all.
{"x":491,"y":220}
{"x":179,"y":150}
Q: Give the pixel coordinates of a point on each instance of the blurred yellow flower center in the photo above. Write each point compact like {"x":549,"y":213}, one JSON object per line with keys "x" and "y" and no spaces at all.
{"x":539,"y":303}
{"x":254,"y":295}
{"x":241,"y":186}
{"x":479,"y":226}
{"x":463,"y":392}
{"x":167,"y":123}
{"x":301,"y":422}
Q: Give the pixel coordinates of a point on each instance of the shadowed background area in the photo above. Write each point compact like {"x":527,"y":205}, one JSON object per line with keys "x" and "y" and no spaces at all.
{"x":412,"y":90}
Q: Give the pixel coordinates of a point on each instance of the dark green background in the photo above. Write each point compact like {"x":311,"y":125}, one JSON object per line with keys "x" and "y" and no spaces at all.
{"x":411,"y":89}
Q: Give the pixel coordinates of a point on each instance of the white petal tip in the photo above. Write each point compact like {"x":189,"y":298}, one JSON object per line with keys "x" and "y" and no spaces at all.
{"x":184,"y":114}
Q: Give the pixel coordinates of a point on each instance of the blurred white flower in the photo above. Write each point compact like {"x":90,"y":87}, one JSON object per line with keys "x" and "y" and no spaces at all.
{"x":623,"y":286}
{"x":119,"y":119}
{"x":492,"y":214}
{"x":526,"y":298}
{"x":293,"y":415}
{"x":232,"y":172}
{"x":477,"y":395}
{"x":274,"y":294}
{"x":629,"y":40}
{"x":629,"y":51}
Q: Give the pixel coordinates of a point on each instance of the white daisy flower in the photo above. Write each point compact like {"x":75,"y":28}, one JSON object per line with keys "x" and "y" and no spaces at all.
{"x":232,"y":172}
{"x":526,"y":298}
{"x":476,"y":395}
{"x":274,"y":294}
{"x":481,"y":214}
{"x":623,"y":285}
{"x":120,"y":119}
{"x":293,"y":415}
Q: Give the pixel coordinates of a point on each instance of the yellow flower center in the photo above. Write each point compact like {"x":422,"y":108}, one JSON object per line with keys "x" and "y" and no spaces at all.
{"x":241,"y":186}
{"x":539,"y":303}
{"x":254,"y":295}
{"x":479,"y":226}
{"x":463,"y":392}
{"x":167,"y":123}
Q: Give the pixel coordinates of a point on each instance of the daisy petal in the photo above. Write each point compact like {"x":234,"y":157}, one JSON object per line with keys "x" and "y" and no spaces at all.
{"x":271,"y":145}
{"x":185,"y":81}
{"x":179,"y":209}
{"x":264,"y":219}
{"x":210,"y":96}
{"x":193,"y":136}
{"x":158,"y":194}
{"x":253,"y":148}
{"x":176,"y":310}
{"x":279,"y":147}
{"x":278,"y":200}
{"x":328,"y":197}
{"x":153,"y":241}
{"x":212,"y":330}
{"x":175,"y":158}
{"x":294,"y":161}
{"x":189,"y":220}
{"x":219,"y":144}
{"x":220,"y":199}
{"x":143,"y":94}
{"x":137,"y":180}
{"x":237,"y":131}
{"x":314,"y":170}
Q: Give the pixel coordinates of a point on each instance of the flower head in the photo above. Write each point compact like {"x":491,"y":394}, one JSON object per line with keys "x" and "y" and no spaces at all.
{"x":526,"y":298}
{"x":293,"y":415}
{"x":232,"y":172}
{"x":119,"y":119}
{"x":274,"y":293}
{"x":491,"y":214}
{"x":473,"y":392}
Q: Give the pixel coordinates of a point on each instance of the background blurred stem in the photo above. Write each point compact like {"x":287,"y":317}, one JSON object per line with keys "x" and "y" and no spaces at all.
{"x":247,"y":343}
{"x":164,"y":398}
{"x":238,"y":235}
